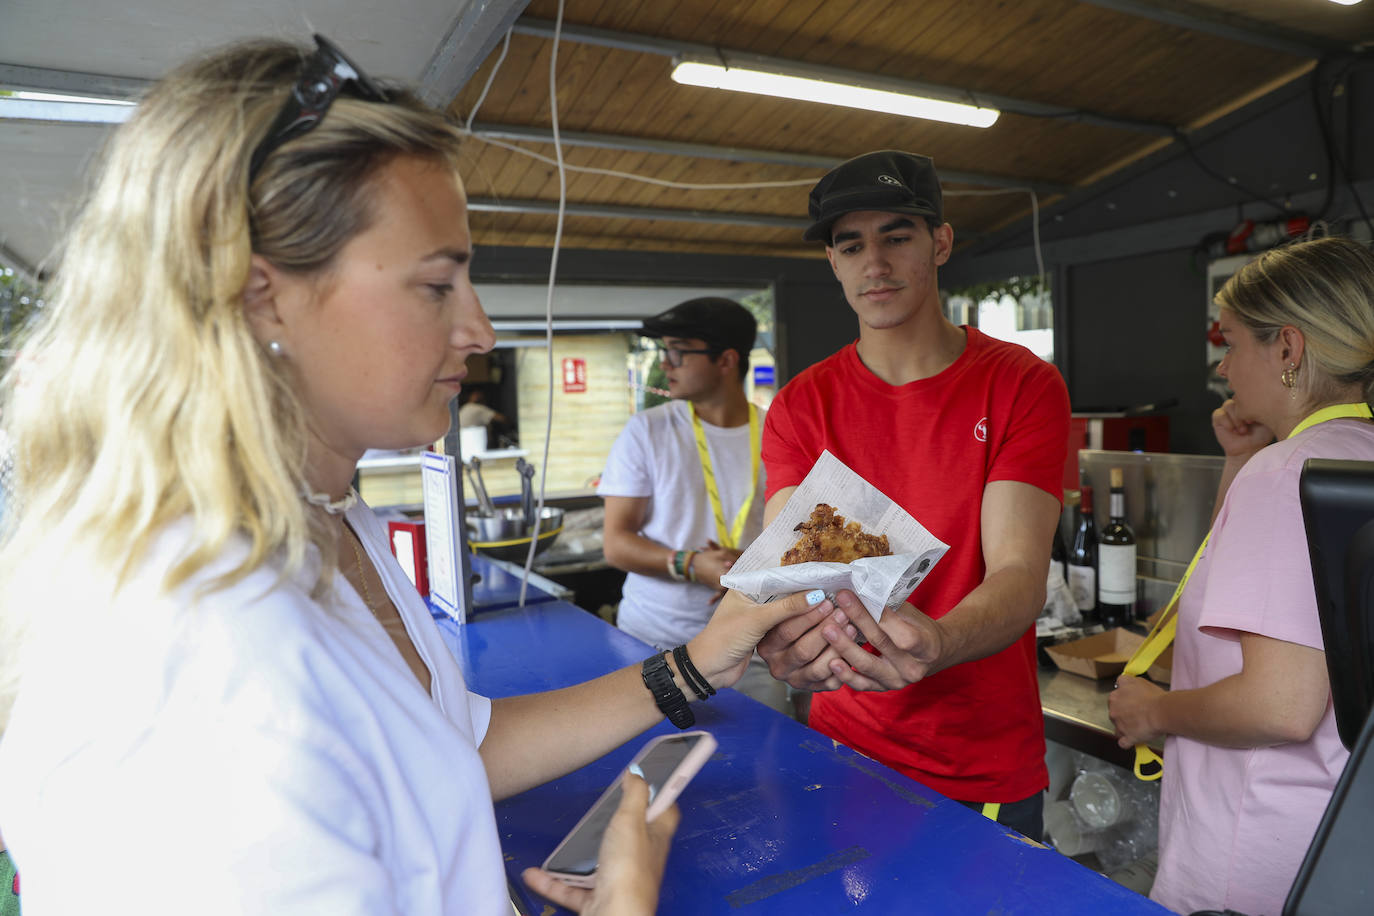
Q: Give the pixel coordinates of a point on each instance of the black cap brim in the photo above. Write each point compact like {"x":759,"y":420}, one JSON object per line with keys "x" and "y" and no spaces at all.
{"x":819,"y":231}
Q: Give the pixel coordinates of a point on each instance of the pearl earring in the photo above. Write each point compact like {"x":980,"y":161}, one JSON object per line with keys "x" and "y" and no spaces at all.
{"x":275,"y":348}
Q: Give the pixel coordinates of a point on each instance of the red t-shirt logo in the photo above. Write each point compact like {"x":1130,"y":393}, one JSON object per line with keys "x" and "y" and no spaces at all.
{"x":980,"y":430}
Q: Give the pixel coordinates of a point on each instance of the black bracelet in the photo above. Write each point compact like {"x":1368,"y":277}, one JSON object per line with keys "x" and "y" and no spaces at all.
{"x":687,"y":669}
{"x":700,"y":686}
{"x":668,"y":697}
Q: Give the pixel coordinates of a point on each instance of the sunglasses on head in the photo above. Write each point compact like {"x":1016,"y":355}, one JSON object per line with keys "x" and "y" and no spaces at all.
{"x":324,"y":74}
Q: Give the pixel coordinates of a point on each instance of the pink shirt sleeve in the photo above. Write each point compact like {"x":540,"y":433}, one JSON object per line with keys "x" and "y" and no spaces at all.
{"x":1261,"y":576}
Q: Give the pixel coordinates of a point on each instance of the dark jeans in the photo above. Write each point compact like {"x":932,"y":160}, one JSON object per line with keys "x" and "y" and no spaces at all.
{"x":1026,"y":817}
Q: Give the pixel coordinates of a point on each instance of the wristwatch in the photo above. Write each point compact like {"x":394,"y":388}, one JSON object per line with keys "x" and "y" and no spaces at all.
{"x":668,"y":697}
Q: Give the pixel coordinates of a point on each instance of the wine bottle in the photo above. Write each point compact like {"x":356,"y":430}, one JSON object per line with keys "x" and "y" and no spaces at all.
{"x":1059,"y":556}
{"x":1083,"y":559}
{"x":1116,"y":560}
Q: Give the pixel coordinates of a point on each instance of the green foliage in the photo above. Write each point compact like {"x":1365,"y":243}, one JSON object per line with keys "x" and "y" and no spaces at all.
{"x":19,"y":302}
{"x":760,"y":305}
{"x":657,"y":378}
{"x":1016,"y":287}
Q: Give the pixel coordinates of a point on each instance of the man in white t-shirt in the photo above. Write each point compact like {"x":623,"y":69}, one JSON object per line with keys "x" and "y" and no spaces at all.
{"x":683,"y":485}
{"x":476,"y":413}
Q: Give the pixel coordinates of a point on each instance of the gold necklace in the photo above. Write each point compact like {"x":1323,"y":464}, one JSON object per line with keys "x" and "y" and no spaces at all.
{"x":362,"y":576}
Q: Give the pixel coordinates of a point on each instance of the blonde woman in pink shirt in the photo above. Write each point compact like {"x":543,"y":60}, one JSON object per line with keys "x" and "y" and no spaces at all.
{"x":1251,"y":750}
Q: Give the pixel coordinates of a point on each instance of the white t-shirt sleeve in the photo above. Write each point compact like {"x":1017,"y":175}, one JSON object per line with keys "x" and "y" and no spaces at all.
{"x":628,"y":467}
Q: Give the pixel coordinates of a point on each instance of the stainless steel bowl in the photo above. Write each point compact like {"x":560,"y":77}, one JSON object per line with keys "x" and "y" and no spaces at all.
{"x":516,"y":549}
{"x":506,"y":525}
{"x":509,"y":525}
{"x":551,"y":519}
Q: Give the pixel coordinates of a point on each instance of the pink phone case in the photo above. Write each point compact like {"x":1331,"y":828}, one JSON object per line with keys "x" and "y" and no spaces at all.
{"x":672,"y":787}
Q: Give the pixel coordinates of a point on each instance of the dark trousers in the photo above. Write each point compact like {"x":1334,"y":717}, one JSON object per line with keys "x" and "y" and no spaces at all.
{"x":1026,"y":817}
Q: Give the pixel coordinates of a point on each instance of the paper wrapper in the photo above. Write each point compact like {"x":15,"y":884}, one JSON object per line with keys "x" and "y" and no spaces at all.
{"x":879,"y":582}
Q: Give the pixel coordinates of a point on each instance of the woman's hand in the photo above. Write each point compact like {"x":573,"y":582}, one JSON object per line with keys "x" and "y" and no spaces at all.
{"x":1131,"y":706}
{"x":722,"y":651}
{"x":630,"y":865}
{"x":1238,"y":437}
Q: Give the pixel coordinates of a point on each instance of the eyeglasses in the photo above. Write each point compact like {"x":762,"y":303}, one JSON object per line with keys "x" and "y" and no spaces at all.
{"x":673,"y":355}
{"x":325,"y":74}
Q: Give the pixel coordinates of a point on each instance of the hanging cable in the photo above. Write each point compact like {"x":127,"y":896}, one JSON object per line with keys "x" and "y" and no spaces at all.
{"x":491,"y":78}
{"x":661,"y":182}
{"x":548,"y":302}
{"x":1035,"y":219}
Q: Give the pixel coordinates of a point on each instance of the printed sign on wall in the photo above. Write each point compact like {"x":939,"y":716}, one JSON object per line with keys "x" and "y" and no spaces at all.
{"x":574,"y":375}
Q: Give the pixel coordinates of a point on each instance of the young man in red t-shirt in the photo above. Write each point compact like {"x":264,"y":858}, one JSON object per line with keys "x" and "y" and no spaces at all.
{"x":969,"y":435}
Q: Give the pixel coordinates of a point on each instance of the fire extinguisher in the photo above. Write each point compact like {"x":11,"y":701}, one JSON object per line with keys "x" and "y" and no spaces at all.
{"x":1249,"y":235}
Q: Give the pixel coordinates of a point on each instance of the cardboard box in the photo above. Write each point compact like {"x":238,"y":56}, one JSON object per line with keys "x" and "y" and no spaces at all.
{"x":1104,"y":655}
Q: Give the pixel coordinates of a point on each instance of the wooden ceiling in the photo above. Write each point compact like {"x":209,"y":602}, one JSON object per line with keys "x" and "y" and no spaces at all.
{"x":1082,"y":58}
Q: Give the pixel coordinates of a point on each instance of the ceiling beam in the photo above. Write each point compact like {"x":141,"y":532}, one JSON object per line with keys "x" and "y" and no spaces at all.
{"x":732,"y":153}
{"x":71,"y":82}
{"x":475,"y":30}
{"x":544,"y":28}
{"x":610,"y":211}
{"x":1224,"y":25}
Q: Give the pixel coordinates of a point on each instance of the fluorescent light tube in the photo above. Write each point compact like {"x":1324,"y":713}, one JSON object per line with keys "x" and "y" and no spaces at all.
{"x":713,"y":76}
{"x":66,"y":97}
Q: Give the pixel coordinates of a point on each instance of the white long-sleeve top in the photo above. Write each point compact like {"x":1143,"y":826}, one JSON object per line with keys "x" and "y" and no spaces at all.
{"x":255,"y":752}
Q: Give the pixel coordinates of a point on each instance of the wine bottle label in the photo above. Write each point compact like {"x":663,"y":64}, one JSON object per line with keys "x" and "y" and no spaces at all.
{"x":1083,"y":584}
{"x":1116,"y":573}
{"x":1057,"y":569}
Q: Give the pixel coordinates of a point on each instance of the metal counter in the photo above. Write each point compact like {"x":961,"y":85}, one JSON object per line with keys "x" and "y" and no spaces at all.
{"x":1075,"y":709}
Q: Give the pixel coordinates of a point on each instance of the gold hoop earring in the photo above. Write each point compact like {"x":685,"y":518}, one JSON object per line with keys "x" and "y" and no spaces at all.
{"x":1289,"y":378}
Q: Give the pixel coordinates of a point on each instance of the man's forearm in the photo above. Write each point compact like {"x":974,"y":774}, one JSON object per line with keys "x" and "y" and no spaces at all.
{"x":638,"y":554}
{"x":991,"y":617}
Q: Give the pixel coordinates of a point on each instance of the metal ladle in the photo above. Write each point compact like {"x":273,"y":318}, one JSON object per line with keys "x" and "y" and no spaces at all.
{"x":474,"y":470}
{"x":526,"y":472}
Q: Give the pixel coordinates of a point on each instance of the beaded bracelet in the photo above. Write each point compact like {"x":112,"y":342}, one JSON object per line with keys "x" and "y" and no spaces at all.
{"x":673,"y":561}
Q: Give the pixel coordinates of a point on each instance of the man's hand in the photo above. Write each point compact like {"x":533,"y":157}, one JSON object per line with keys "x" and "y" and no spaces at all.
{"x":710,"y":564}
{"x":908,"y":646}
{"x":630,"y":865}
{"x":1131,"y":706}
{"x":797,"y":651}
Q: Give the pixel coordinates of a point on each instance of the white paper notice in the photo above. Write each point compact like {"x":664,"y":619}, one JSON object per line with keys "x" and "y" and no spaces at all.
{"x":879,"y":582}
{"x":438,"y":481}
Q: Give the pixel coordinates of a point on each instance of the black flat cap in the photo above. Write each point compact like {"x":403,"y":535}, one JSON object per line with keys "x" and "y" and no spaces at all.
{"x":887,"y":180}
{"x":722,"y":323}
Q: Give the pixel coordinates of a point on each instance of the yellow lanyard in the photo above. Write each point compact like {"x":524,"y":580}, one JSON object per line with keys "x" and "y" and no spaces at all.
{"x":728,"y":537}
{"x":1163,"y":633}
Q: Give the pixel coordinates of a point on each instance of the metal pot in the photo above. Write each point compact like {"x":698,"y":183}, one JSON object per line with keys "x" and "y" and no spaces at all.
{"x":508,"y":524}
{"x":504,"y":525}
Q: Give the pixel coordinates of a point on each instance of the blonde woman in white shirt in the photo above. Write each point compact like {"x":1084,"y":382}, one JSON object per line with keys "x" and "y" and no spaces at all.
{"x":215,"y":677}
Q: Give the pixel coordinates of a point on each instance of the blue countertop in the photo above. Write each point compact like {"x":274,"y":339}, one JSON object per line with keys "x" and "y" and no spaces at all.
{"x":781,"y":819}
{"x":497,"y":588}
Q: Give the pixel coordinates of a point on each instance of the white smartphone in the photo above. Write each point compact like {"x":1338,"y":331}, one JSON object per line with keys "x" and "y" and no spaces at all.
{"x":667,"y":764}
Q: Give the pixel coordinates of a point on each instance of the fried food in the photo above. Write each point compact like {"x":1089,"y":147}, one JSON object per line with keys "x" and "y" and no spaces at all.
{"x":826,"y":538}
